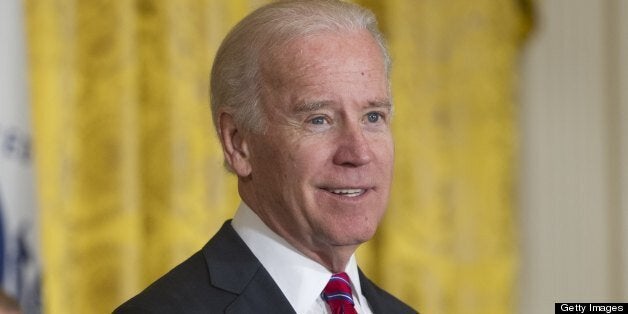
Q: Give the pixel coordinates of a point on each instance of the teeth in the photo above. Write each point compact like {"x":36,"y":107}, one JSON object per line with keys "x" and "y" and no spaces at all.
{"x":348,"y":192}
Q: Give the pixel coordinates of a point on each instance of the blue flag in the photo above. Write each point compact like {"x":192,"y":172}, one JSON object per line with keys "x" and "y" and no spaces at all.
{"x":20,"y":270}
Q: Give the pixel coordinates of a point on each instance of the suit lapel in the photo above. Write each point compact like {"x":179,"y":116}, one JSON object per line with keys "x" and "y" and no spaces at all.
{"x":261,"y":296}
{"x":370,"y":293}
{"x":234,"y":268}
{"x":380,"y":301}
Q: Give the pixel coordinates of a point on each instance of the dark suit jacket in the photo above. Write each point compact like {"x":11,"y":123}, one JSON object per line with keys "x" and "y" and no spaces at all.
{"x":225,"y":277}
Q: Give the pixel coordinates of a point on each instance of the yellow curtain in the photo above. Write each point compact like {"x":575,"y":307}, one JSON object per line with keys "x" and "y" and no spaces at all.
{"x":448,"y":242}
{"x":130,"y":172}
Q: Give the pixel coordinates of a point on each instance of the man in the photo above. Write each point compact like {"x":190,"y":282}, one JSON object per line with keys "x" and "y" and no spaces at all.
{"x":301,"y":102}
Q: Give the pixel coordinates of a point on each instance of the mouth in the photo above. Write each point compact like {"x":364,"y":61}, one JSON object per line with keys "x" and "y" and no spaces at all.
{"x":346,"y":192}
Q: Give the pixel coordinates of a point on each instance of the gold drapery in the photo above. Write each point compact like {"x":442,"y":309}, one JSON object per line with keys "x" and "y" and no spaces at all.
{"x":130,"y":173}
{"x":448,"y":242}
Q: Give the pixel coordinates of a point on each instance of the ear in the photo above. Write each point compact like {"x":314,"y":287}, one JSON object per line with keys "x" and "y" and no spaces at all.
{"x":234,"y":145}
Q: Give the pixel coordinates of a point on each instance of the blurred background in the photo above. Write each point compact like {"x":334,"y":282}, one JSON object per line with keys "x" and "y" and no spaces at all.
{"x":510,"y":188}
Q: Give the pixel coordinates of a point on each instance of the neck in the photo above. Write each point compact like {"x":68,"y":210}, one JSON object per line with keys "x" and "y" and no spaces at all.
{"x":335,"y":261}
{"x":333,"y":257}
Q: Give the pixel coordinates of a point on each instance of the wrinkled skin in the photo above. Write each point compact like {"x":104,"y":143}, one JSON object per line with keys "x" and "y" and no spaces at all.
{"x":320,"y":173}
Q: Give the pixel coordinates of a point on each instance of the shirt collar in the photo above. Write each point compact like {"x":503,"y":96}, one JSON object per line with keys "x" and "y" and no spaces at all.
{"x":300,"y":278}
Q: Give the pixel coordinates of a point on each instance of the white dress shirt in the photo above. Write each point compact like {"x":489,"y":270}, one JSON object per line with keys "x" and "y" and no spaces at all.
{"x":300,"y":278}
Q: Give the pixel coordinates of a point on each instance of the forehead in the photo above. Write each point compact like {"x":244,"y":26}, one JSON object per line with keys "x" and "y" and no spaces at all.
{"x":326,"y":56}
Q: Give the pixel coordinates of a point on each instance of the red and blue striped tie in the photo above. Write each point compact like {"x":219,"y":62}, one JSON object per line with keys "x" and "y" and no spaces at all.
{"x":337,"y":294}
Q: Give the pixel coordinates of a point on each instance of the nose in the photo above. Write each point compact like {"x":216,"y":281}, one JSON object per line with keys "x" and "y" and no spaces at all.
{"x":353,"y":148}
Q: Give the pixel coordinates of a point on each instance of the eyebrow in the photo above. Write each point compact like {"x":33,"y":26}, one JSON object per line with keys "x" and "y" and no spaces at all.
{"x":311,"y":106}
{"x":317,"y":105}
{"x":384,"y":103}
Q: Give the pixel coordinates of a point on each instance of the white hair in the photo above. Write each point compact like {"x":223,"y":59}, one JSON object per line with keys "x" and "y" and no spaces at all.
{"x":235,"y":81}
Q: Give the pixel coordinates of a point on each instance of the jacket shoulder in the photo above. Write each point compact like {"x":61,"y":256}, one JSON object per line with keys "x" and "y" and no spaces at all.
{"x":184,"y":289}
{"x":198,"y":285}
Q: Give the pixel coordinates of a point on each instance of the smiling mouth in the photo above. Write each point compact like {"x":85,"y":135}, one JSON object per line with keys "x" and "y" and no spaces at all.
{"x":347,"y":192}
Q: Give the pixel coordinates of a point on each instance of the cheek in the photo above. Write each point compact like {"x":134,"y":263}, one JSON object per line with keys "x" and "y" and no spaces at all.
{"x":385,"y":150}
{"x":309,"y":155}
{"x":291,"y":165}
{"x":269,"y":162}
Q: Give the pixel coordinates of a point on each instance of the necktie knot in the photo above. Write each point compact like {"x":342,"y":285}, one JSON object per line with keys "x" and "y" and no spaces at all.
{"x":338,"y":294}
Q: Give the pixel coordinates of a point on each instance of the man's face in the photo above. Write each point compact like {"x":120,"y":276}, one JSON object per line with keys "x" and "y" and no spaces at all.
{"x":321,"y":171}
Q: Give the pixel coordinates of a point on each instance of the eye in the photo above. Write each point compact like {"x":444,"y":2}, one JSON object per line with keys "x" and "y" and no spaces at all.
{"x":373,"y":116}
{"x":318,"y":120}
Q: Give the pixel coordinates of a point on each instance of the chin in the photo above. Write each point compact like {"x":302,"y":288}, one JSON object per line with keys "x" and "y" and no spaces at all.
{"x":354,"y":237}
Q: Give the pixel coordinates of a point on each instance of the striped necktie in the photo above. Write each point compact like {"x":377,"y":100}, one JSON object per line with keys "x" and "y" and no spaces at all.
{"x":337,"y":294}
